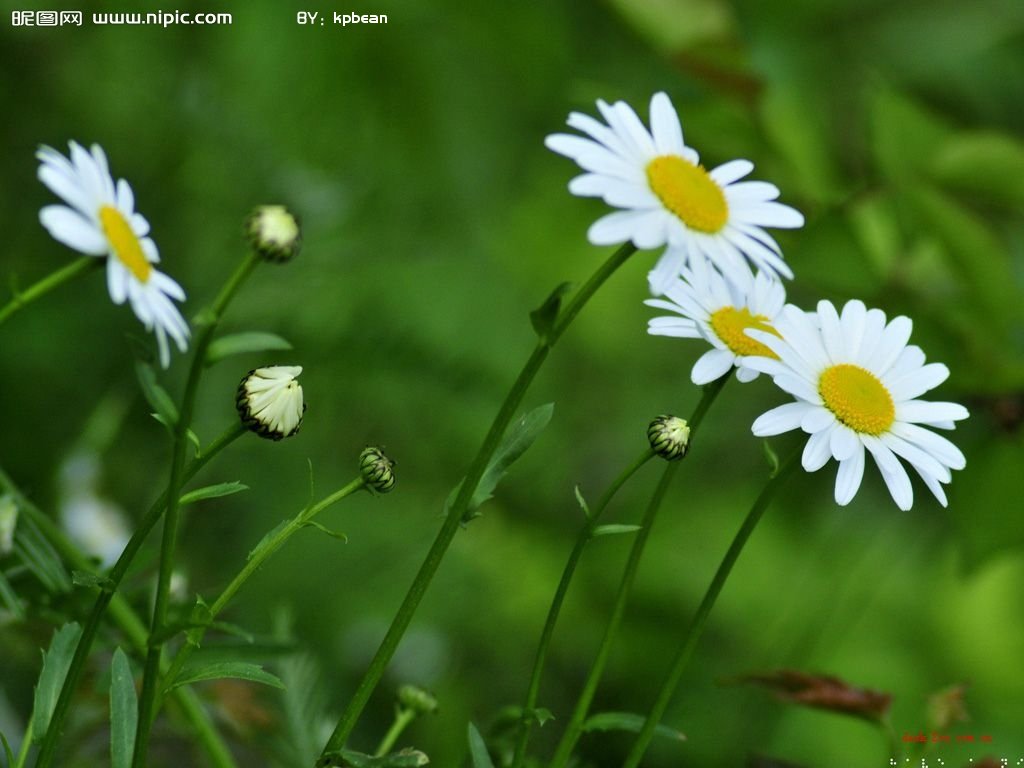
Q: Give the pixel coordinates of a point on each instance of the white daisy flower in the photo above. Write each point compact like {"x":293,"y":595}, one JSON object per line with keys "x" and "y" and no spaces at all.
{"x":667,"y":195}
{"x":856,"y":382}
{"x":269,"y":401}
{"x":100,"y":220}
{"x":720,"y":312}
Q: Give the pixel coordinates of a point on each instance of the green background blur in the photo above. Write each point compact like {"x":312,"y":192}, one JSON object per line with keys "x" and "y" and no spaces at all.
{"x":434,"y":220}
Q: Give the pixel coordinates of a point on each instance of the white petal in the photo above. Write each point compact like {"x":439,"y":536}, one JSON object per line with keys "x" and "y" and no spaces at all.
{"x":67,"y":188}
{"x":125,"y":199}
{"x":894,"y":339}
{"x":117,"y":281}
{"x":614,"y":228}
{"x":68,"y":227}
{"x":938,"y":446}
{"x":816,"y":453}
{"x":832,"y":333}
{"x":770,"y":215}
{"x":843,"y":443}
{"x":922,"y":461}
{"x":666,"y":271}
{"x":893,"y":473}
{"x":745,"y":374}
{"x":751,"y":192}
{"x":817,"y":419}
{"x":915,"y":383}
{"x":851,"y":472}
{"x":784,"y":418}
{"x":712,"y":365}
{"x":732,"y":171}
{"x":926,"y":412}
{"x":668,"y":134}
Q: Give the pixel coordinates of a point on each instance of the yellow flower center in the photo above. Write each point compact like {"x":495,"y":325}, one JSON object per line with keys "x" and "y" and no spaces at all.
{"x":689,"y":192}
{"x":730,"y":325}
{"x":124,"y":243}
{"x":857,"y":398}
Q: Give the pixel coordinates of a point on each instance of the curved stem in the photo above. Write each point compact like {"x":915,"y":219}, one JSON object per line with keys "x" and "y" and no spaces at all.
{"x":696,"y":627}
{"x":452,"y":522}
{"x":579,"y":715}
{"x":168,"y":544}
{"x":402,"y":719}
{"x":259,"y":556}
{"x":126,"y":618}
{"x":53,"y":280}
{"x":582,"y":539}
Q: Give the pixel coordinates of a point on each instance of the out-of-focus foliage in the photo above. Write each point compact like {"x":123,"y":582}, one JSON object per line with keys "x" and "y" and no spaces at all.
{"x":433,"y":222}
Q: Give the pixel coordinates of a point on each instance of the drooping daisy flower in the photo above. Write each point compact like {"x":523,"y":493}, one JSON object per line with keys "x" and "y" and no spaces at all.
{"x":668,"y":197}
{"x":100,"y":220}
{"x":720,"y":312}
{"x":856,"y":382}
{"x":269,"y":401}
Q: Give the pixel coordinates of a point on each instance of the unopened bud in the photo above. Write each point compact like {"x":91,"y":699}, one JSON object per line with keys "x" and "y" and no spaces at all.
{"x":669,"y":437}
{"x":377,"y":469}
{"x":416,"y":699}
{"x":269,"y":401}
{"x":274,"y":233}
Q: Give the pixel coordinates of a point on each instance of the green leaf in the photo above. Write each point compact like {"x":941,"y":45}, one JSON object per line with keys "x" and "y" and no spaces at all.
{"x":542,"y":716}
{"x":324,"y":529}
{"x":237,"y":670}
{"x":39,"y":556}
{"x":55,"y":668}
{"x":7,"y":751}
{"x":192,"y":436}
{"x":519,"y":437}
{"x":124,"y":711}
{"x":612,"y":529}
{"x":582,"y":502}
{"x":627,"y":721}
{"x":268,"y":539}
{"x":986,"y":166}
{"x":543,"y":318}
{"x":771,"y":457}
{"x":478,"y":749}
{"x":243,"y":343}
{"x":199,"y":619}
{"x":347,"y":758}
{"x":156,"y":395}
{"x":92,"y":580}
{"x":212,"y":492}
{"x":10,"y":600}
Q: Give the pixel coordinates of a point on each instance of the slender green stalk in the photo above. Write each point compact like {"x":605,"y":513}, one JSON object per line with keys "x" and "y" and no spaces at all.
{"x":403,"y":717}
{"x":582,"y":539}
{"x":575,"y":727}
{"x":125,"y":617}
{"x":168,"y":544}
{"x":253,"y":564}
{"x":26,"y":743}
{"x":53,"y":280}
{"x":696,"y":628}
{"x":452,"y":522}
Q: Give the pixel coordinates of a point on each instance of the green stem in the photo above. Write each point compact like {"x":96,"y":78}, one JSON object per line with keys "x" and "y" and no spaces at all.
{"x":402,"y":719}
{"x":579,"y":715}
{"x":53,"y":280}
{"x":126,"y":618}
{"x":696,"y":627}
{"x":168,"y":543}
{"x":26,"y":743}
{"x":259,"y":556}
{"x":582,"y":539}
{"x":452,"y":522}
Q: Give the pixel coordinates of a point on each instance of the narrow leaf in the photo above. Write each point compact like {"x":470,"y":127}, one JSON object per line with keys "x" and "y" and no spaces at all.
{"x":542,"y":716}
{"x":612,"y":529}
{"x":124,"y":711}
{"x":582,"y":502}
{"x":243,"y":343}
{"x":268,"y":539}
{"x":39,"y":556}
{"x":212,"y":492}
{"x":543,"y":318}
{"x":518,"y":439}
{"x":55,"y":668}
{"x":324,"y":529}
{"x":92,"y":580}
{"x":627,"y":721}
{"x":10,"y":600}
{"x":156,"y":395}
{"x":772,"y":457}
{"x":192,"y":436}
{"x":478,"y":749}
{"x":237,"y":670}
{"x":7,"y":751}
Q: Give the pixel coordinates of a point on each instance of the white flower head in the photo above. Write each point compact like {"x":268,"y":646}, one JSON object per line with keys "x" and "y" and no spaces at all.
{"x":668,"y":197}
{"x":857,"y":382}
{"x":97,"y":525}
{"x":720,"y":312}
{"x":100,"y":220}
{"x":269,"y":401}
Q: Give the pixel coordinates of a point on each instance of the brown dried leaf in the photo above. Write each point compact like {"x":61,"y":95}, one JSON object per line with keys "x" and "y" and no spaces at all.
{"x":947,"y":708}
{"x":824,"y":692}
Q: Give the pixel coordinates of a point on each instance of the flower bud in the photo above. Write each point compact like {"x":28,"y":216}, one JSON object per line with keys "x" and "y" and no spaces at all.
{"x":274,"y":233}
{"x":269,"y":401}
{"x":417,"y":700}
{"x":669,"y":437}
{"x":377,"y":469}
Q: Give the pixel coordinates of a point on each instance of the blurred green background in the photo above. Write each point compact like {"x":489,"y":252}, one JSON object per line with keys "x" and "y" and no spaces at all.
{"x":434,"y":220}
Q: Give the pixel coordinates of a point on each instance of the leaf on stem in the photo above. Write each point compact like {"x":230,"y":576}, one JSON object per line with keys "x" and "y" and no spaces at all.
{"x":124,"y":711}
{"x":10,"y":600}
{"x":478,"y":749}
{"x":267,"y":539}
{"x":192,"y":436}
{"x":39,"y":556}
{"x":517,"y":440}
{"x":92,"y":580}
{"x":243,"y":343}
{"x":347,"y":758}
{"x":324,"y":529}
{"x":543,"y":318}
{"x":56,"y":661}
{"x":236,"y":670}
{"x":613,"y":529}
{"x":627,"y":721}
{"x":156,"y":396}
{"x":771,"y":457}
{"x":582,"y":502}
{"x":212,"y":492}
{"x":7,"y":750}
